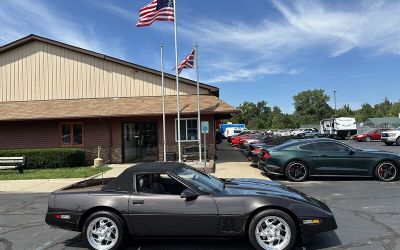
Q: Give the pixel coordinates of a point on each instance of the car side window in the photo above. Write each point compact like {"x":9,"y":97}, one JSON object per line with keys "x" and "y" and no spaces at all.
{"x":308,"y":147}
{"x":158,"y":183}
{"x":331,"y":146}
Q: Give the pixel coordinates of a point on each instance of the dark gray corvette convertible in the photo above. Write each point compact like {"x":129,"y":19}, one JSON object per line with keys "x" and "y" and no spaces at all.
{"x":173,"y":199}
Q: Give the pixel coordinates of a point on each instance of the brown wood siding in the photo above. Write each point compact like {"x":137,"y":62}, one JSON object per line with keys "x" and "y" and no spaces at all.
{"x":42,"y":71}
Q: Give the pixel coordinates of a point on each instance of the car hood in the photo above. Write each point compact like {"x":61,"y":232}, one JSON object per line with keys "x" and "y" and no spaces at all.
{"x":260,"y":187}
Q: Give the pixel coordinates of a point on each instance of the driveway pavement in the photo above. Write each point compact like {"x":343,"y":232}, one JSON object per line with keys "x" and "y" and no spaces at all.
{"x":231,"y":163}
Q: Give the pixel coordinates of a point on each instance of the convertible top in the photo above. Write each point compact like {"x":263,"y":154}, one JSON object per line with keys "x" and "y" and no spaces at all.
{"x":124,"y":182}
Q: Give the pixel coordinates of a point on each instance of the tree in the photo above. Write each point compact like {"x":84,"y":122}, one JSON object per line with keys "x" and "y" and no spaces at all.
{"x":395,"y":110}
{"x":345,"y":111}
{"x":383,"y":109}
{"x":311,"y":106}
{"x":366,"y":111}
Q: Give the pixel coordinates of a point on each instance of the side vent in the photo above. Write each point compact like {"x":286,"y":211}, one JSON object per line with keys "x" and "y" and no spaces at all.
{"x":228,"y":224}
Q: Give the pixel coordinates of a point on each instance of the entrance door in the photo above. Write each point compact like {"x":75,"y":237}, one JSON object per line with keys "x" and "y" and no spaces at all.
{"x":140,"y":141}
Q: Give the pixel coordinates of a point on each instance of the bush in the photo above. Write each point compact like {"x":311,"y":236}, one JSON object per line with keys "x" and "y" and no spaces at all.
{"x":49,"y":157}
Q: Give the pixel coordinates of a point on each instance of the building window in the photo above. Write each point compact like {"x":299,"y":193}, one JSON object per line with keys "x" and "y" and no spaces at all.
{"x":71,"y":134}
{"x":188,"y":129}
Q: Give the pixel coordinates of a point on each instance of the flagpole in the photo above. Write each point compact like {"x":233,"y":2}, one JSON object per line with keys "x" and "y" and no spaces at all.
{"x":198,"y":99}
{"x":177,"y":87}
{"x":163,"y":103}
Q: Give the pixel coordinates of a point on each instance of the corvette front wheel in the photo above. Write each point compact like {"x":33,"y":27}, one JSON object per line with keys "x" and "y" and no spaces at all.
{"x":272,"y":229}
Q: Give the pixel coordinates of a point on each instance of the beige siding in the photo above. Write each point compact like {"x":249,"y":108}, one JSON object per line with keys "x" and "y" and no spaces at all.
{"x":41,"y":71}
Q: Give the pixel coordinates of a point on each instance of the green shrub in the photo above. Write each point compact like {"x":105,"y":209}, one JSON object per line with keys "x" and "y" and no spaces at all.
{"x":49,"y":157}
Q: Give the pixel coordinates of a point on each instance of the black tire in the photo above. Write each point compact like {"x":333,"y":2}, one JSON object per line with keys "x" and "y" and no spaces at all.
{"x":367,"y":139}
{"x":398,"y":141}
{"x":291,"y":173}
{"x":389,"y":143}
{"x":391,"y":173}
{"x":120,"y":225}
{"x":254,"y":224}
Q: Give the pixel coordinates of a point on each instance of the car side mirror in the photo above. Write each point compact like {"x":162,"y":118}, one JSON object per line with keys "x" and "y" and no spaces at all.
{"x":189,"y":195}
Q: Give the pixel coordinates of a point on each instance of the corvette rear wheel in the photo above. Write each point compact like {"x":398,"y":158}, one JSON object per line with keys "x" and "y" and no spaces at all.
{"x":272,"y":230}
{"x":386,"y":171}
{"x":103,"y":230}
{"x":296,"y":171}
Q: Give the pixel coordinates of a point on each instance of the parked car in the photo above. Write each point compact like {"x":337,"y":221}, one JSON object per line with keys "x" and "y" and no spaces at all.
{"x":230,"y":137}
{"x":175,"y":200}
{"x":373,"y":134}
{"x":299,"y":159}
{"x":391,"y":136}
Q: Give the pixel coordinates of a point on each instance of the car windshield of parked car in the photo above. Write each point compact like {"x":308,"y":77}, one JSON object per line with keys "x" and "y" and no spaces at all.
{"x":202,"y":181}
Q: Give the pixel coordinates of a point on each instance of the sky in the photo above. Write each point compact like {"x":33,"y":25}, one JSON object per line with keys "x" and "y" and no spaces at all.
{"x":267,"y":50}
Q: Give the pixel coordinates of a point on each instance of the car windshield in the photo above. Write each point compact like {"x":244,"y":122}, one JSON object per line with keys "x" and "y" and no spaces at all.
{"x":200,"y":180}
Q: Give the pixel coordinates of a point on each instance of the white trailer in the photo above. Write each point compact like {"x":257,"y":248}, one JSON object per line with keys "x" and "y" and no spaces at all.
{"x":340,"y":127}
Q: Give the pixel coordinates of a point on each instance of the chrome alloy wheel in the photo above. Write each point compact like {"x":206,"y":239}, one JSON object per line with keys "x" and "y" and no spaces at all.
{"x":273,"y":233}
{"x":297,"y":170}
{"x":102,"y":233}
{"x":387,"y":171}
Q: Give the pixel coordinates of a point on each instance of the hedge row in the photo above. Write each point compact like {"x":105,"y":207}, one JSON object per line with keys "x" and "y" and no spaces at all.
{"x":49,"y":157}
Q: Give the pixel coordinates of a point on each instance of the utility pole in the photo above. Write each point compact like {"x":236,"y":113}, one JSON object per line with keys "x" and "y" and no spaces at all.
{"x":334,"y":97}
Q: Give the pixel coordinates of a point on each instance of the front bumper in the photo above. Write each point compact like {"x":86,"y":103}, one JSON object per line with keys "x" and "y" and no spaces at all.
{"x":388,"y":139}
{"x":328,"y":223}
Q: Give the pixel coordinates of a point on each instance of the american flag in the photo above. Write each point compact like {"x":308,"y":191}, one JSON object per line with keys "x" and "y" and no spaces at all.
{"x":157,"y":10}
{"x":188,"y":62}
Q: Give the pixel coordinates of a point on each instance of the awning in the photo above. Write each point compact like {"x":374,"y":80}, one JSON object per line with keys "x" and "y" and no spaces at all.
{"x":111,"y":107}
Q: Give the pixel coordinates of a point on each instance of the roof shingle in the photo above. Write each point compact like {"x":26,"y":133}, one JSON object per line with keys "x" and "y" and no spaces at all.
{"x":110,"y":107}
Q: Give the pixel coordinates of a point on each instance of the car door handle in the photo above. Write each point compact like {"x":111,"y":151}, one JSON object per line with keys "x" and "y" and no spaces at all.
{"x":138,"y":202}
{"x":323,"y":156}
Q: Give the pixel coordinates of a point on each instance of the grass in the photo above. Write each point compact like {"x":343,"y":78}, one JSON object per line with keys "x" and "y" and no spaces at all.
{"x":55,"y":173}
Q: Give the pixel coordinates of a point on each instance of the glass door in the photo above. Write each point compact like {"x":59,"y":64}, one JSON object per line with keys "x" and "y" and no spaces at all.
{"x":140,"y":142}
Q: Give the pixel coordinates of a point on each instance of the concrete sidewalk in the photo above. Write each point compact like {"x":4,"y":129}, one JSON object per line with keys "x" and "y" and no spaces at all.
{"x":50,"y":185}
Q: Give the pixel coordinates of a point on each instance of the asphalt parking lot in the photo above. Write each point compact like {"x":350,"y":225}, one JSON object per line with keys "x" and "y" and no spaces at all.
{"x":367,"y":214}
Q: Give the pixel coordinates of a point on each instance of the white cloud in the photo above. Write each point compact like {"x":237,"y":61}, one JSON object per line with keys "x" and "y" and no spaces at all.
{"x":19,"y":18}
{"x":237,"y":51}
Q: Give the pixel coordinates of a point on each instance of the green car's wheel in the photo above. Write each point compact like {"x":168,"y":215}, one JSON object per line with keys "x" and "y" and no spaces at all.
{"x":386,"y":171}
{"x":296,"y":171}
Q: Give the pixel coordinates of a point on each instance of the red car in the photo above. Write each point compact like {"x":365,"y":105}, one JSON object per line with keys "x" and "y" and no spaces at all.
{"x":370,"y":135}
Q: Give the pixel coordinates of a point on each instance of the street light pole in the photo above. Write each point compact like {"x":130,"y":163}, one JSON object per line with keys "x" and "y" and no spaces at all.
{"x":334,"y":97}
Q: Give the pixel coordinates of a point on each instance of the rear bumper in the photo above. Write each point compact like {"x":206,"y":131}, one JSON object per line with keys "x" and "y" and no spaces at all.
{"x":71,"y":224}
{"x":269,"y":168}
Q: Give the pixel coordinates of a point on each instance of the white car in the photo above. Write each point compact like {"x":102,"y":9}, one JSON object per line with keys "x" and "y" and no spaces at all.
{"x":391,"y":136}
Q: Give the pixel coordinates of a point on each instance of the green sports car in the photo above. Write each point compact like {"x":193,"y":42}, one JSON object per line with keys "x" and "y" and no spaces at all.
{"x":299,"y":159}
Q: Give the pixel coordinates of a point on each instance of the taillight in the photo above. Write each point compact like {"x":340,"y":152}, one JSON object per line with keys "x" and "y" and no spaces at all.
{"x":256,"y":150}
{"x":266,"y":155}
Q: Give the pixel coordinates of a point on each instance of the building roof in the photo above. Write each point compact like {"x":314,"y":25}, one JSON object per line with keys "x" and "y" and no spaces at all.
{"x":394,"y":121}
{"x":31,"y":38}
{"x":110,"y":107}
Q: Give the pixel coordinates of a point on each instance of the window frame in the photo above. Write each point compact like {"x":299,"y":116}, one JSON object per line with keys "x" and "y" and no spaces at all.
{"x":176,"y":129}
{"x":71,"y":125}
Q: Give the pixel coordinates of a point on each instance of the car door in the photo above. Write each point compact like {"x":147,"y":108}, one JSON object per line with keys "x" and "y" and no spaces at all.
{"x":169,"y":214}
{"x":335,"y":159}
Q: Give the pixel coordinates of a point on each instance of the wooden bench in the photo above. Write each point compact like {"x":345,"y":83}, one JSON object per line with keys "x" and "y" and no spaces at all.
{"x":192,"y":152}
{"x":13,"y":163}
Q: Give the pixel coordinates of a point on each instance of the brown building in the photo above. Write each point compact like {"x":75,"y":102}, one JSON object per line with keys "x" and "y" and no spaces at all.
{"x":57,"y":95}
